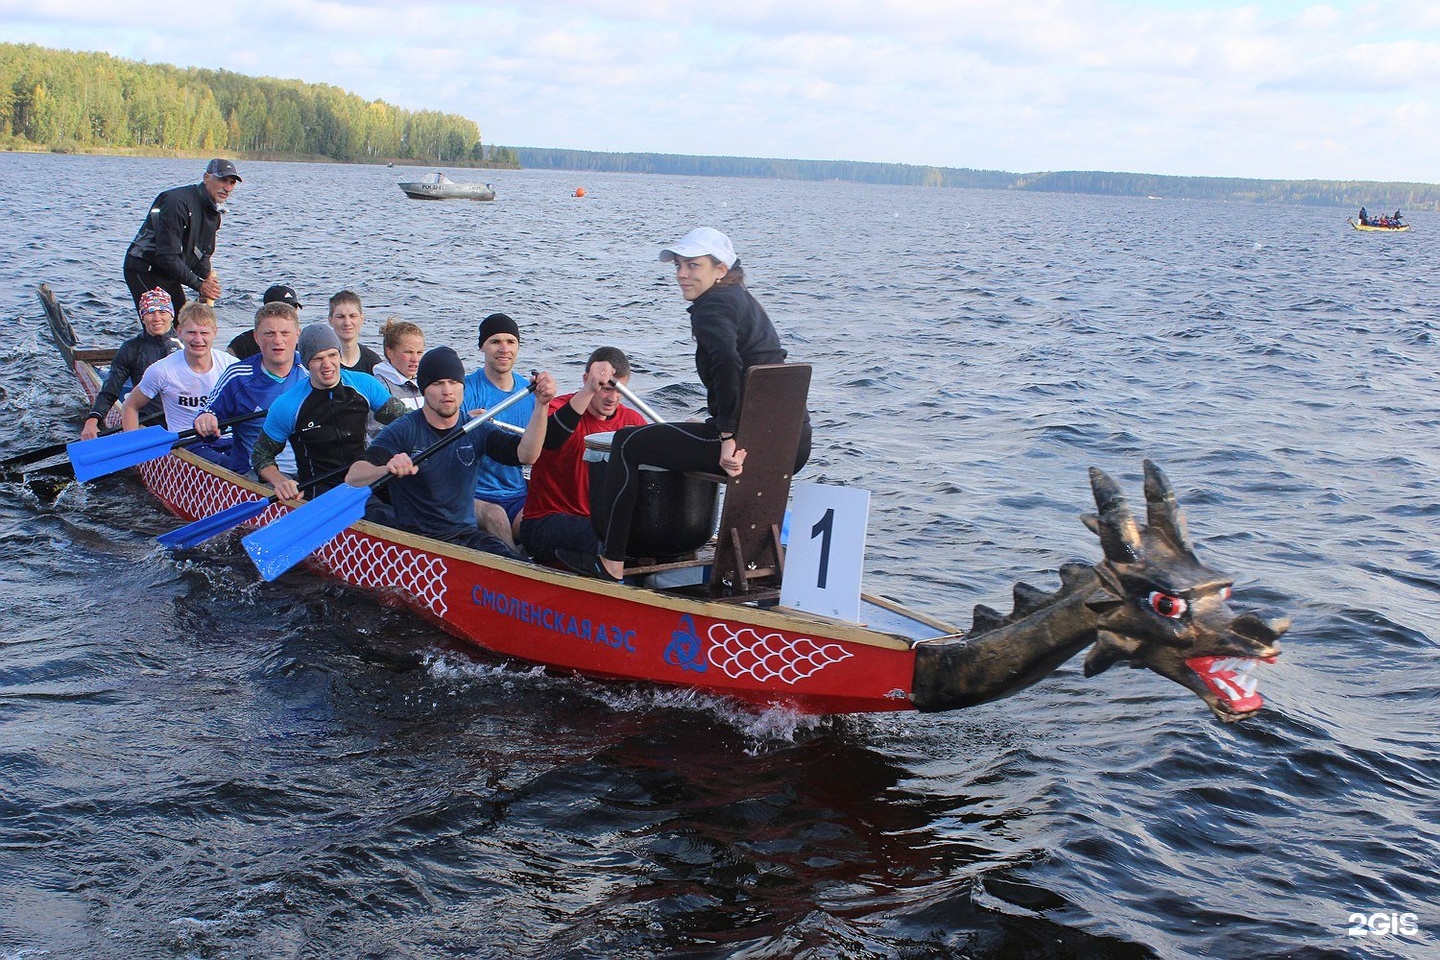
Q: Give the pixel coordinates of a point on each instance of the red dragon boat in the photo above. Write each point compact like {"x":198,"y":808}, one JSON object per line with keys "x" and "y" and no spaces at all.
{"x":1150,"y":603}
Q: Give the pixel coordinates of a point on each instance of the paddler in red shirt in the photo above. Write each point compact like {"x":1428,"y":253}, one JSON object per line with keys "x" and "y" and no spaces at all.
{"x":557,"y":507}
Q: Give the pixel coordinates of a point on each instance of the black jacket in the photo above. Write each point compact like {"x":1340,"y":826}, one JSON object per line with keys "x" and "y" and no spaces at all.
{"x":732,"y":334}
{"x":131,"y":360}
{"x":177,"y":237}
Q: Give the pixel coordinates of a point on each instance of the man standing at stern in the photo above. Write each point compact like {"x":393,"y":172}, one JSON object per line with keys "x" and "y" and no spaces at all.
{"x":173,"y":247}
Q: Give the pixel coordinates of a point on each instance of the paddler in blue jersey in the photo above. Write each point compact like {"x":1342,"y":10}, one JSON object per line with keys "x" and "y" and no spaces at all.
{"x":323,"y":420}
{"x":500,"y":489}
{"x":250,"y":385}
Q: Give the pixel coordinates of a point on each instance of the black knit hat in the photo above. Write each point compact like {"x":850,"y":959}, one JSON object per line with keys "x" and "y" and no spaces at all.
{"x":440,"y":363}
{"x":498,"y":323}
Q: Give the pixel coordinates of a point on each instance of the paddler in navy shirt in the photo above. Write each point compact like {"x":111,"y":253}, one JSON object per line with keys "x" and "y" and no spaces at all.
{"x":436,"y":497}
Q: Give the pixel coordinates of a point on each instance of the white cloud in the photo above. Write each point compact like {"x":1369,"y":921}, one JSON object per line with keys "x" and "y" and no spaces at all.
{"x":1258,"y":89}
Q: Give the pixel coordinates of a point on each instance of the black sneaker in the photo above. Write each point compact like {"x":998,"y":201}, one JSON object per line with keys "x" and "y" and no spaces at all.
{"x":587,"y":564}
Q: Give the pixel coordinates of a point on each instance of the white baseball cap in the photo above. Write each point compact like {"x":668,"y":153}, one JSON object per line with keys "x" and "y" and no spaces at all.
{"x":702,"y":242}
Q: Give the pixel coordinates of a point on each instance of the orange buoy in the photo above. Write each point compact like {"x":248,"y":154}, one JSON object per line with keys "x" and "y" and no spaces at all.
{"x":579,"y":191}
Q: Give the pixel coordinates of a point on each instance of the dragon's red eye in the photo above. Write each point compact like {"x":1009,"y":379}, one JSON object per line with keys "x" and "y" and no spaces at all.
{"x":1226,"y":593}
{"x":1168,"y":605}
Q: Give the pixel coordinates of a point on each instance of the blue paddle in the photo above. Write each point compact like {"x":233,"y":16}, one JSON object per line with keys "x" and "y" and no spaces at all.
{"x":278,"y":546}
{"x":197,"y":532}
{"x":105,"y":455}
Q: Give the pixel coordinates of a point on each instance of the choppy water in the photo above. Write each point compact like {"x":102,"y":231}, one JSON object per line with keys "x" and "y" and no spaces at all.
{"x":196,"y":764}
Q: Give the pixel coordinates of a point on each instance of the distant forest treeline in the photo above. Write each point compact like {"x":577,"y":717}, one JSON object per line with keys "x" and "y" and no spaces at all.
{"x":92,"y":101}
{"x":1344,"y":193}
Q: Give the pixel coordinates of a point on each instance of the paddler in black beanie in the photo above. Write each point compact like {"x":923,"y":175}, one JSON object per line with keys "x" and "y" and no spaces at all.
{"x":436,"y":498}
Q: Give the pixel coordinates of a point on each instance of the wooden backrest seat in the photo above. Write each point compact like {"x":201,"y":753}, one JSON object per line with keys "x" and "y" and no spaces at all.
{"x":748,"y":554}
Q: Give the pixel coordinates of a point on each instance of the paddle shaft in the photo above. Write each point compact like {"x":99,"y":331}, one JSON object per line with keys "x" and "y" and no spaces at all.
{"x":105,"y":455}
{"x":192,"y":433}
{"x":55,"y":449}
{"x":336,"y":474}
{"x":184,"y":435}
{"x":636,"y":402}
{"x":198,"y":531}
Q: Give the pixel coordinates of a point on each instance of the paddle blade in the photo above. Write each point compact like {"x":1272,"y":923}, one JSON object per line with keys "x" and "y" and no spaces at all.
{"x":59,"y":471}
{"x":278,"y":546}
{"x":105,"y":455}
{"x":196,"y":533}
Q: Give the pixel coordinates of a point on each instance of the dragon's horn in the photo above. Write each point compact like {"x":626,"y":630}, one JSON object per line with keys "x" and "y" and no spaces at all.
{"x":1163,"y":512}
{"x":1119,"y":536}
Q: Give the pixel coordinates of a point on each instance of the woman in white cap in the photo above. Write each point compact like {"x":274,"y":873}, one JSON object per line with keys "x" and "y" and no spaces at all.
{"x":732,"y":334}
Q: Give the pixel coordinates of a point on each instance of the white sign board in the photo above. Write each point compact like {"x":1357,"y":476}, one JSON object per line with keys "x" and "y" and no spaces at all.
{"x":825,"y":555}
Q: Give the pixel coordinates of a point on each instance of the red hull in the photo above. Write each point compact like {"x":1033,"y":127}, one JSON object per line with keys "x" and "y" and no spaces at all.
{"x":527,"y":612}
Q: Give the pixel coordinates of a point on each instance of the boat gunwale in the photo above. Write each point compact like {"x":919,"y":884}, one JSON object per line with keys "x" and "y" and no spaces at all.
{"x":782,"y":618}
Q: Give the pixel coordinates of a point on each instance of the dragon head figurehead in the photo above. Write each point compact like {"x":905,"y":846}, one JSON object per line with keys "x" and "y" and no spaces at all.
{"x":1159,"y":607}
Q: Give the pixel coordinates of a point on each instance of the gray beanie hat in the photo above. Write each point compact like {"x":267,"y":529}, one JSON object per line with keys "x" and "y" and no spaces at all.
{"x":316,"y":338}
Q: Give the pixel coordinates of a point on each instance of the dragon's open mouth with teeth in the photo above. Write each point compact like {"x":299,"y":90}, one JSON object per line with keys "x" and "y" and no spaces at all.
{"x":1229,"y":679}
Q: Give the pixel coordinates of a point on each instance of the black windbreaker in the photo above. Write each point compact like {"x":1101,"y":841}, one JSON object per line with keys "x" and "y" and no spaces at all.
{"x":732,"y":334}
{"x":177,"y":237}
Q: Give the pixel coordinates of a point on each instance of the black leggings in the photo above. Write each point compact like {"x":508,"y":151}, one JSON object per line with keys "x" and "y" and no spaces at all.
{"x":692,"y":447}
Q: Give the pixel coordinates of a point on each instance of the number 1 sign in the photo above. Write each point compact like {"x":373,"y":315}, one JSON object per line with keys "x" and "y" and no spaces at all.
{"x":826,"y":551}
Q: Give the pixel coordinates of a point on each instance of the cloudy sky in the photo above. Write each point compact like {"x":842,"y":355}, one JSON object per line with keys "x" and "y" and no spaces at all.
{"x":1286,"y":90}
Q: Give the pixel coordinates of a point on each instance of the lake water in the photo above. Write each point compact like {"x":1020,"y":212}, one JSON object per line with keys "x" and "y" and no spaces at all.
{"x":197,"y":764}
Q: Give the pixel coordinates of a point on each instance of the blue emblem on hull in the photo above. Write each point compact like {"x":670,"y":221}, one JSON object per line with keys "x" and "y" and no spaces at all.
{"x":685,"y":649}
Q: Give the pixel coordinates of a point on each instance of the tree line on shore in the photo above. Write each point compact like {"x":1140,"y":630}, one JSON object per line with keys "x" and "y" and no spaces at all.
{"x":73,"y":102}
